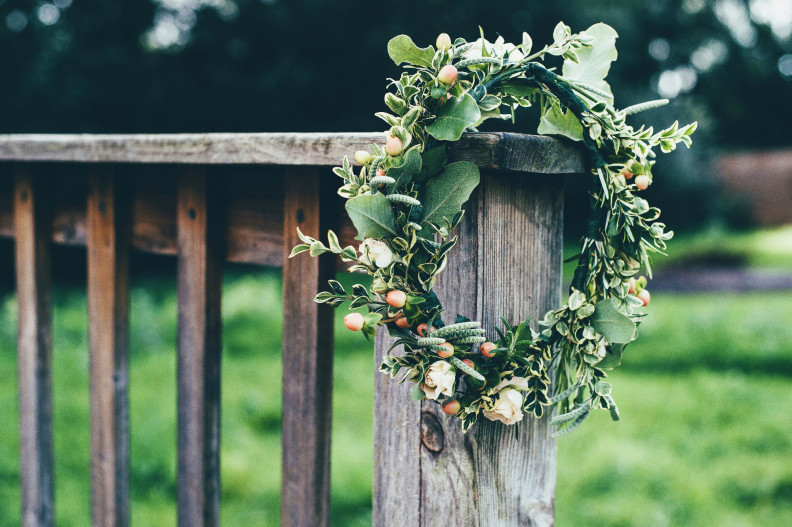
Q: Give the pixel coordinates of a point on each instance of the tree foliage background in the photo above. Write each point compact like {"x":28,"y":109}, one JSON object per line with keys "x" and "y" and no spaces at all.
{"x":317,"y":65}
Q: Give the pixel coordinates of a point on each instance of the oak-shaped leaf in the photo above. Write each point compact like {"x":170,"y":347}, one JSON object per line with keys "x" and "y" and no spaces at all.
{"x":402,"y":49}
{"x":454,"y":117}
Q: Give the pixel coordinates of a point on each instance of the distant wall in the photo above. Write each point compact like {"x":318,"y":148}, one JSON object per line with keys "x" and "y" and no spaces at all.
{"x":764,"y":179}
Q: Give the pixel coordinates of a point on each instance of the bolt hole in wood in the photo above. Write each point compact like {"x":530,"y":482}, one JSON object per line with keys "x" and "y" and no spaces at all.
{"x":191,"y":214}
{"x":300,"y":216}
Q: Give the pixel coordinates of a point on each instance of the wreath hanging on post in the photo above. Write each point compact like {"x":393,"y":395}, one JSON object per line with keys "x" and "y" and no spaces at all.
{"x":406,"y":200}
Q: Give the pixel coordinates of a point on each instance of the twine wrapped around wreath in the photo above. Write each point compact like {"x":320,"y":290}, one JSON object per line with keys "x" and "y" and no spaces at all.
{"x":406,"y":201}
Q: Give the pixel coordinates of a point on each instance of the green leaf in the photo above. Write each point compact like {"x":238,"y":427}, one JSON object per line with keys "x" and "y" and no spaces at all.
{"x":372,"y":216}
{"x":519,"y":87}
{"x":433,"y":161}
{"x":558,"y":122}
{"x":594,"y":62}
{"x":416,"y":393}
{"x":323,"y":297}
{"x":333,"y":242}
{"x":615,"y":326}
{"x":299,"y":249}
{"x":446,"y":193}
{"x":403,"y":174}
{"x":454,"y":117}
{"x":613,"y":357}
{"x":403,"y":49}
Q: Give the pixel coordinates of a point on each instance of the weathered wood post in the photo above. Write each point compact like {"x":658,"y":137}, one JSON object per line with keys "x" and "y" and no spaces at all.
{"x":507,"y":263}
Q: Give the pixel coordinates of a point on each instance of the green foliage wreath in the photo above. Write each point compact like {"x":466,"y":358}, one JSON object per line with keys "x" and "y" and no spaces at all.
{"x":406,"y":201}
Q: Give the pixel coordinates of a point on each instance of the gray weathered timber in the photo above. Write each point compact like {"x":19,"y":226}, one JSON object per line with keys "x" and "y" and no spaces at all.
{"x":199,"y":284}
{"x":107,"y":240}
{"x":498,"y":151}
{"x":397,"y":448}
{"x":35,"y":349}
{"x":487,"y":477}
{"x":307,"y":353}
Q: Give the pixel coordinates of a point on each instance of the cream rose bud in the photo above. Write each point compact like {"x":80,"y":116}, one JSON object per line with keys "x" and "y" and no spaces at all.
{"x":376,"y":252}
{"x":439,"y":380}
{"x":507,"y":408}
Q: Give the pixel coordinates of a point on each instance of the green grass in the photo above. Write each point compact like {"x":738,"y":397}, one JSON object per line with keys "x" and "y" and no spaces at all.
{"x":705,"y":394}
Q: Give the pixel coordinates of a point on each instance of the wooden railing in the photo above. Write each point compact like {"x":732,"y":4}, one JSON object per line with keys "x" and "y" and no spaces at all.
{"x":209,"y":198}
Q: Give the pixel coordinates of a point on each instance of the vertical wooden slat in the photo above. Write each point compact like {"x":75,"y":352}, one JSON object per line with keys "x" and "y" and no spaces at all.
{"x":307,"y":355}
{"x":491,"y":476}
{"x":199,"y":283}
{"x":107,"y":241}
{"x":31,"y":227}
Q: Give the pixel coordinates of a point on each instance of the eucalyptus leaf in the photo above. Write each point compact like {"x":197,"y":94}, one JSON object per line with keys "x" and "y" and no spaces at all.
{"x":615,"y":326}
{"x":454,"y":117}
{"x":372,"y":216}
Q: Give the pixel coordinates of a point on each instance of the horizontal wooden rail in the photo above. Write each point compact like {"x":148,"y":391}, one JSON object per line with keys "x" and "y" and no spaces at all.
{"x":497,"y":150}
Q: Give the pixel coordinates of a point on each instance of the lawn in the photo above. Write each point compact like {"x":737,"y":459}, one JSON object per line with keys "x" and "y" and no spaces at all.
{"x":706,"y":436}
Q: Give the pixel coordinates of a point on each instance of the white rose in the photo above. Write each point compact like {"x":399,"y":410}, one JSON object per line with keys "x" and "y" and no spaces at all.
{"x":439,"y":380}
{"x":499,"y":47}
{"x":376,"y":250}
{"x":507,"y":408}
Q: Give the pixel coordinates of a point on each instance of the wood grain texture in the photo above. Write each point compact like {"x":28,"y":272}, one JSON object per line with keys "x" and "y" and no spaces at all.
{"x":499,"y":151}
{"x":490,"y":476}
{"x":199,"y":342}
{"x":34,"y":348}
{"x":397,"y":447}
{"x":107,"y":239}
{"x":310,"y":204}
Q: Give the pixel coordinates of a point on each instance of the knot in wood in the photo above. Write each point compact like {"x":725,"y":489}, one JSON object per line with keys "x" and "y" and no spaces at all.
{"x":432,"y":435}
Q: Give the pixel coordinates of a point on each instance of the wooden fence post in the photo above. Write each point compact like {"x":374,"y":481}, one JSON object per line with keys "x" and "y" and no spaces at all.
{"x":307,"y":355}
{"x":107,"y":239}
{"x":200,"y":285}
{"x":507,"y":263}
{"x":34,"y":294}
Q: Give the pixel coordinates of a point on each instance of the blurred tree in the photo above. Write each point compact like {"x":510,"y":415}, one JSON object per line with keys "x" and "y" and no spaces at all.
{"x":319,"y":65}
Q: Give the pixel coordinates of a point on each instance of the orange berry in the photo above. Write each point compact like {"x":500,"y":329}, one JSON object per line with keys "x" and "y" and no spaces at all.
{"x":394,"y":146}
{"x":645,"y":297}
{"x":448,"y":351}
{"x":631,"y":284}
{"x":470,"y":363}
{"x":452,"y":407}
{"x":447,"y":75}
{"x":421,"y":330}
{"x":380,"y":172}
{"x":396,"y":298}
{"x":402,"y":322}
{"x":354,"y":321}
{"x":486,"y":349}
{"x":627,"y":174}
{"x":642,"y":182}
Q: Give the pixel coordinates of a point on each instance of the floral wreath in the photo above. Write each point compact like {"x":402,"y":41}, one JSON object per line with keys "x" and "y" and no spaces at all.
{"x":406,"y":200}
